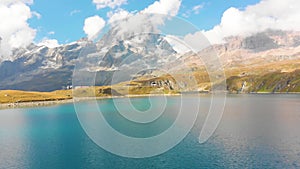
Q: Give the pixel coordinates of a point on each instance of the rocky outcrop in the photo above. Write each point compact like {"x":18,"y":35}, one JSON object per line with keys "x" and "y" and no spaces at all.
{"x":263,"y":41}
{"x":166,"y":83}
{"x":283,"y":82}
{"x":108,"y":92}
{"x":259,"y":42}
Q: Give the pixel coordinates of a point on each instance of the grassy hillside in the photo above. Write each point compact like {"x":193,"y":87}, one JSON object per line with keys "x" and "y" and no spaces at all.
{"x":283,"y":77}
{"x":16,"y":96}
{"x":270,"y":82}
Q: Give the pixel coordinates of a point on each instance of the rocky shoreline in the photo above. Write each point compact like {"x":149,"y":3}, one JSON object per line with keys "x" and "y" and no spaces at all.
{"x":33,"y":104}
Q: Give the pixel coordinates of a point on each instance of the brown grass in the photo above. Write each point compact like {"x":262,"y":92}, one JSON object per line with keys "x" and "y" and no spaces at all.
{"x":16,"y":96}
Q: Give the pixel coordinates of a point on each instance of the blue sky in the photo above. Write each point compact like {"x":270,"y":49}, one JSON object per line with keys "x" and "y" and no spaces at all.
{"x":64,"y":19}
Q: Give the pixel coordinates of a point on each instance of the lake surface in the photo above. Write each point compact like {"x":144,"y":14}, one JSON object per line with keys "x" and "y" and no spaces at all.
{"x":256,"y":131}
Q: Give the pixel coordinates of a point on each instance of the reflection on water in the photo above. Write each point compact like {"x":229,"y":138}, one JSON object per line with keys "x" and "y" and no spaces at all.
{"x":257,"y":131}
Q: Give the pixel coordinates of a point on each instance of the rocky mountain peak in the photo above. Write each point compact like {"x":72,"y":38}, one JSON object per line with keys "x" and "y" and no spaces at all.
{"x":45,"y":69}
{"x":263,"y":41}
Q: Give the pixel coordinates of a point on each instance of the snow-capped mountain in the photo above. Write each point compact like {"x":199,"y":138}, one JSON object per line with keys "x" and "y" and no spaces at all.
{"x":40,"y":68}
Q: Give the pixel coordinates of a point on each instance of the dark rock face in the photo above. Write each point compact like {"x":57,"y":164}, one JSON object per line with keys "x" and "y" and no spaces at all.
{"x":296,"y":41}
{"x":259,"y":42}
{"x":109,"y":92}
{"x":47,"y":80}
{"x":270,"y":39}
{"x":39,"y":68}
{"x":168,"y":84}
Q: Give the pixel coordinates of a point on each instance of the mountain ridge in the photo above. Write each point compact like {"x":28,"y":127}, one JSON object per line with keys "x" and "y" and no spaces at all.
{"x":40,"y":68}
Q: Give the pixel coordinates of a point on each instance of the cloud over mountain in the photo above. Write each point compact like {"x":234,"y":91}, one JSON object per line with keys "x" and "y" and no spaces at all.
{"x":14,"y":30}
{"x":267,"y":14}
{"x":50,"y":43}
{"x":165,"y":7}
{"x":92,"y":26}
{"x":118,"y":15}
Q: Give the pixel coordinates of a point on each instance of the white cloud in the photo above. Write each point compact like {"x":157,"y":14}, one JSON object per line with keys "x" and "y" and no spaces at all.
{"x":267,"y":14}
{"x":165,"y":7}
{"x":108,"y":3}
{"x":186,"y":14}
{"x":36,"y":14}
{"x":178,"y":44}
{"x":93,"y":25}
{"x":50,"y":43}
{"x":196,"y":41}
{"x":144,"y":21}
{"x":51,"y":33}
{"x":196,"y":9}
{"x":75,"y":11}
{"x":9,"y":2}
{"x":119,"y":14}
{"x":14,"y":30}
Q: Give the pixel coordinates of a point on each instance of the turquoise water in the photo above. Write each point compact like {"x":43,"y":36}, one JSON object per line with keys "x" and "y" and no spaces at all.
{"x":256,"y":131}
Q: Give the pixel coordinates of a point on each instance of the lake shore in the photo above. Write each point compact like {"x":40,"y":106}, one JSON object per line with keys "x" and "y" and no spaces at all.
{"x":66,"y":101}
{"x":79,"y":99}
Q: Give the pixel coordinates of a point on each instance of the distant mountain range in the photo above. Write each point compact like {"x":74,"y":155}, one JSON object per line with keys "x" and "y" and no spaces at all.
{"x":39,"y":68}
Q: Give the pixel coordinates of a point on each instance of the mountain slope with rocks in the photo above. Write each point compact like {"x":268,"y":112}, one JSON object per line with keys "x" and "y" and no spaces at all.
{"x":257,"y":63}
{"x":40,"y":68}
